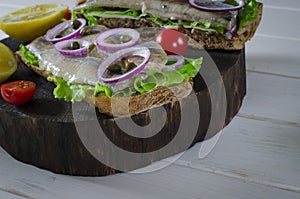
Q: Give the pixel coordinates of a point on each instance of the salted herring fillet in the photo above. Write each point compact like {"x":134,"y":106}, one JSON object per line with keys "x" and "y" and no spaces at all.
{"x":167,"y":9}
{"x":83,"y":69}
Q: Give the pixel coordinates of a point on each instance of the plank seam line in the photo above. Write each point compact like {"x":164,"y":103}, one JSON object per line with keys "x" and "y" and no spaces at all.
{"x":277,"y":37}
{"x":240,"y":176}
{"x":16,"y":193}
{"x":265,"y":119}
{"x":273,"y":74}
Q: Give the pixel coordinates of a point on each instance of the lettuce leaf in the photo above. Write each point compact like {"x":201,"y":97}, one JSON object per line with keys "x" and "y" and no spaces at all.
{"x":30,"y":58}
{"x":232,"y":2}
{"x":73,"y":92}
{"x":248,"y":13}
{"x":158,"y":78}
{"x":101,"y":89}
{"x":70,"y":92}
{"x":97,"y":12}
{"x":92,"y":21}
{"x":206,"y":25}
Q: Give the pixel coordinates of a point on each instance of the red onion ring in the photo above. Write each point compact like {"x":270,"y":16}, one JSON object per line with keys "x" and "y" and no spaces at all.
{"x":231,"y":33}
{"x":60,"y":47}
{"x":216,"y":9}
{"x":51,"y":34}
{"x":179,"y":62}
{"x":135,"y":51}
{"x":101,"y":44}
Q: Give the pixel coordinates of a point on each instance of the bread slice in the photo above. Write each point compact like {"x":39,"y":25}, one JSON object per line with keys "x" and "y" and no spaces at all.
{"x":128,"y":106}
{"x":207,"y":39}
{"x":215,"y":40}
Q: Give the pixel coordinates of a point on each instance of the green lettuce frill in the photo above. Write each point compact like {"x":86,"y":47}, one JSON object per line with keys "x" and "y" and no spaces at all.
{"x":247,"y":14}
{"x":30,"y":58}
{"x":73,"y":92}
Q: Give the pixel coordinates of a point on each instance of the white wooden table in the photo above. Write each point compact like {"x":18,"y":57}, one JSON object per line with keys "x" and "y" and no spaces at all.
{"x":257,"y":155}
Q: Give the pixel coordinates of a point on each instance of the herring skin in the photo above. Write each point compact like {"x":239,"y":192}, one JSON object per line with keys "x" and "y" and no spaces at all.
{"x":167,"y":9}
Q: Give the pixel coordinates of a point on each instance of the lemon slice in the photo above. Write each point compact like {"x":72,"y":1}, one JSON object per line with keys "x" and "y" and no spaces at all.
{"x":8,"y":63}
{"x":31,"y":22}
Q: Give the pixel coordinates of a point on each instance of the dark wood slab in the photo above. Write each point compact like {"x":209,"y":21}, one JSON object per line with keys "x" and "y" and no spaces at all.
{"x":44,"y":132}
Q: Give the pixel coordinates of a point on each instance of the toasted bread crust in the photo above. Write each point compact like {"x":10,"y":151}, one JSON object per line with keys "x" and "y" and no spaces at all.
{"x":127,"y":106}
{"x":207,"y":39}
{"x":80,"y":1}
{"x":214,"y":40}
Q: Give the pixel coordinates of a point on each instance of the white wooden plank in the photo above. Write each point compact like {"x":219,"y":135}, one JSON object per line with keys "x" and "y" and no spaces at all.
{"x":273,"y":55}
{"x":8,"y":195}
{"x":255,"y":151}
{"x":182,"y":182}
{"x":292,"y":4}
{"x":273,"y":97}
{"x":275,"y":66}
{"x":278,"y":3}
{"x":171,"y":182}
{"x":280,"y":22}
{"x":272,"y":48}
{"x":35,"y":183}
{"x":287,"y":4}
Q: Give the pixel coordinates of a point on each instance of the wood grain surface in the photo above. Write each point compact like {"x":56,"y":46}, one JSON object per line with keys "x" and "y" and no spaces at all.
{"x":49,"y":137}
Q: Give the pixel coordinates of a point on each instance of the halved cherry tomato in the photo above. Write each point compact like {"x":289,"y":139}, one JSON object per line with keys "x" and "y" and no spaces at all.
{"x":172,"y":41}
{"x":18,"y":92}
{"x":68,"y":15}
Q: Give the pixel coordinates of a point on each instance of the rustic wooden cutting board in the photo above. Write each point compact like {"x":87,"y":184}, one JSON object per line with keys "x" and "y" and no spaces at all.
{"x":44,"y":133}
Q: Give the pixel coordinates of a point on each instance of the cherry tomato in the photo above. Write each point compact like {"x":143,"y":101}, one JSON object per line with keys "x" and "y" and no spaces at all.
{"x":172,"y":41}
{"x":18,"y":92}
{"x":68,"y":15}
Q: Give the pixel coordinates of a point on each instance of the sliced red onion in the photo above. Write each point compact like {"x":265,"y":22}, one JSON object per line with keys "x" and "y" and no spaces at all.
{"x":231,"y":33}
{"x":52,"y":33}
{"x":62,"y":45}
{"x":216,"y":5}
{"x":133,"y":51}
{"x":179,"y":62}
{"x":133,"y":34}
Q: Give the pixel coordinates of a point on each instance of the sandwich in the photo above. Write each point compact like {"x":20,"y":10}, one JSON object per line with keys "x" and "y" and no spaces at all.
{"x":120,"y":79}
{"x":109,"y":54}
{"x":215,"y":24}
